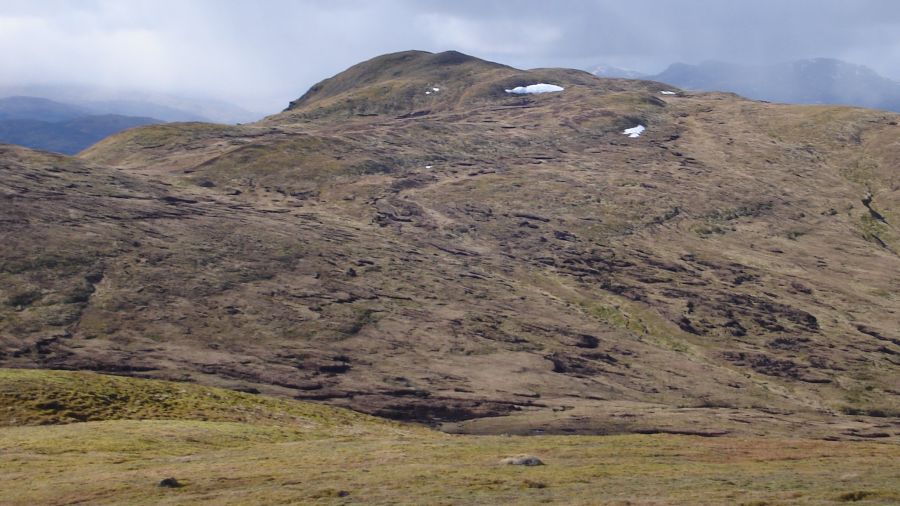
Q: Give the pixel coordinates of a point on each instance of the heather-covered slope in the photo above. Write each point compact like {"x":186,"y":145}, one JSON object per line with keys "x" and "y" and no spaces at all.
{"x":446,"y":255}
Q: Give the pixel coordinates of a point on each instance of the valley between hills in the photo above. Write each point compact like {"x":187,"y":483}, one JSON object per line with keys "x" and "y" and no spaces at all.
{"x":412,"y":269}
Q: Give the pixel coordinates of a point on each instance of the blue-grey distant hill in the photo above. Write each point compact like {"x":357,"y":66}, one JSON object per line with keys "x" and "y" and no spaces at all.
{"x":39,"y":109}
{"x":614,"y":72}
{"x":164,"y":106}
{"x":44,"y":124}
{"x":814,"y":81}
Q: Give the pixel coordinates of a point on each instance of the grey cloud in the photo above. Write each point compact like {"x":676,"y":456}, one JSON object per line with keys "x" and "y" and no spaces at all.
{"x":263,"y":54}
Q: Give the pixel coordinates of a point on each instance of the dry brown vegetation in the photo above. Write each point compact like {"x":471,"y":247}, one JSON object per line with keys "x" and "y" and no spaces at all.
{"x":223,"y":447}
{"x":468,"y":254}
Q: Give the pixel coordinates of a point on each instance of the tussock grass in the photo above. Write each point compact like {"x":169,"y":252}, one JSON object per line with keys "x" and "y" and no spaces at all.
{"x":41,"y":397}
{"x":254,"y":450}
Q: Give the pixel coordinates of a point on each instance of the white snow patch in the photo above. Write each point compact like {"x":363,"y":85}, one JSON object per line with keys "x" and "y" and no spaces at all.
{"x":429,"y":166}
{"x":535,"y":88}
{"x":436,"y":89}
{"x":428,"y":93}
{"x":634,"y":132}
{"x":666,"y":92}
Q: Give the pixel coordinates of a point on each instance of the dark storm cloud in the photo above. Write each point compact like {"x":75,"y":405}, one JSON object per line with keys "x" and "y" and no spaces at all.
{"x":263,"y":54}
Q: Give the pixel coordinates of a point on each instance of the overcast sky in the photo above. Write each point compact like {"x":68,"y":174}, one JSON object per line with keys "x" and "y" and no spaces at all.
{"x":262,"y":54}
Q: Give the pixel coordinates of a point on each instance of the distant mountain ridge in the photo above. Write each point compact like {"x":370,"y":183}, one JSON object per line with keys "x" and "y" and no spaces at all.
{"x":68,"y":119}
{"x":66,"y":137}
{"x":36,"y":108}
{"x":812,"y":81}
{"x":611,"y":71}
{"x":48,"y":125}
{"x":163,"y":106}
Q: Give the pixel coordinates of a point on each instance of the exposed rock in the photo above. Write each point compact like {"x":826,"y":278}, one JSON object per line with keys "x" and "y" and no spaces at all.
{"x":170,"y":483}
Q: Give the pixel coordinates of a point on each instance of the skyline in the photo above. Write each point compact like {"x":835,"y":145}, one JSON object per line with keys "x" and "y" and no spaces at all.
{"x":262,"y":57}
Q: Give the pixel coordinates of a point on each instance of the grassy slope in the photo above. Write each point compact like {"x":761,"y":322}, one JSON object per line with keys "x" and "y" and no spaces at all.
{"x":254,"y":450}
{"x":40,"y":397}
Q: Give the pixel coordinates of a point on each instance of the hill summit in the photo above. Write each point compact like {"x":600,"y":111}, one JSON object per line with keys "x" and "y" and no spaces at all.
{"x":417,"y":82}
{"x":404,"y":67}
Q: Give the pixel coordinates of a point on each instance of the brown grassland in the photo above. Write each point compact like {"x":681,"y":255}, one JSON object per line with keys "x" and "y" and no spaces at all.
{"x":705,"y":314}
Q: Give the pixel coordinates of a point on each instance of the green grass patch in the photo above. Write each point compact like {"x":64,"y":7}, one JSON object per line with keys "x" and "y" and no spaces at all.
{"x":40,"y":397}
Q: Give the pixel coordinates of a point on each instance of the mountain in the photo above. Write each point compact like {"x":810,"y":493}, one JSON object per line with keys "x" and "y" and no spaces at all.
{"x":68,"y":136}
{"x":44,"y":124}
{"x":41,"y":109}
{"x":411,"y":240}
{"x":165,"y":107}
{"x":815,"y":81}
{"x":610,"y":71}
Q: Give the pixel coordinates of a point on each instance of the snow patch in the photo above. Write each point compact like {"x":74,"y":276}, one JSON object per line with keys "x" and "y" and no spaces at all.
{"x":436,"y":89}
{"x":666,"y":92}
{"x":429,"y":166}
{"x":634,"y":132}
{"x":535,"y":88}
{"x":428,"y":93}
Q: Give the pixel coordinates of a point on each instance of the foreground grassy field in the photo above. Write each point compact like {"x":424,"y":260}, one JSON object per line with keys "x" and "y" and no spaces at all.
{"x":264,"y":451}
